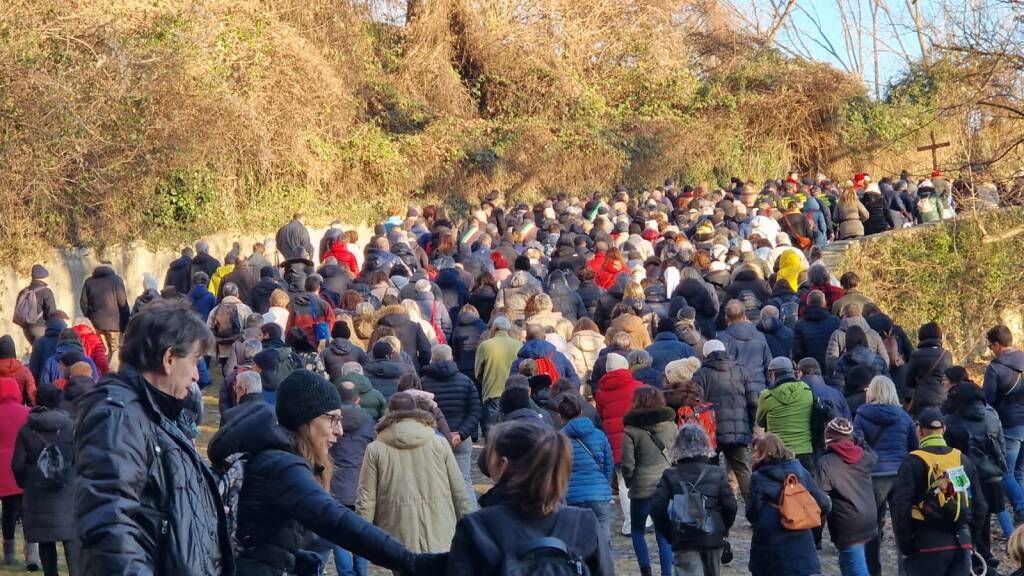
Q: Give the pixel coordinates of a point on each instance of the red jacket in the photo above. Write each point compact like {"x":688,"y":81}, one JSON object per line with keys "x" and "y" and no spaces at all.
{"x":608,"y":272}
{"x":12,"y":368}
{"x":614,"y":397}
{"x":832,"y":293}
{"x":340,"y":252}
{"x":94,"y":348}
{"x":13,"y":415}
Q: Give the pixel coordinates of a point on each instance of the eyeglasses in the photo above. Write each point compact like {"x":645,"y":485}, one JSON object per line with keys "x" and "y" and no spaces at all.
{"x":334,"y":419}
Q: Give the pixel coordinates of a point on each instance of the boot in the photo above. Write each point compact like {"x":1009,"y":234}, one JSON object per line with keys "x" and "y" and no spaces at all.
{"x":9,"y":552}
{"x":31,"y":556}
{"x":646,"y":571}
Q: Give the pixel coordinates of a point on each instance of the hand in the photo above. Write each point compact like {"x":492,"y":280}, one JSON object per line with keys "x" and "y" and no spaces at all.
{"x":456,"y":439}
{"x":427,"y":564}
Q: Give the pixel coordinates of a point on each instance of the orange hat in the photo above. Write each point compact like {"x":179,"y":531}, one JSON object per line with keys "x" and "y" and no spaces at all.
{"x":80,"y":369}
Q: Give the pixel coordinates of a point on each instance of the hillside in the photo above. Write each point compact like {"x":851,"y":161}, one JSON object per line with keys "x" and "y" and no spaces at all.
{"x":168,"y":119}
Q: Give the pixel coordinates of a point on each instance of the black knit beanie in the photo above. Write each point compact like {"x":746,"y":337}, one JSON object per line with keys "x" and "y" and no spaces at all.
{"x":303,"y":396}
{"x":7,"y":347}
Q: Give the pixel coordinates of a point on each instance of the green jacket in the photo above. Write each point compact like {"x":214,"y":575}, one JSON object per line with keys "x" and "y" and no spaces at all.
{"x":642,"y":460}
{"x":370,"y":399}
{"x":494,"y":358}
{"x":785,"y":410}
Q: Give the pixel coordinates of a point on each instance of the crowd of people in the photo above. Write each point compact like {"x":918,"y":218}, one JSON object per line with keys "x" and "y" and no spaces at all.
{"x":672,"y":352}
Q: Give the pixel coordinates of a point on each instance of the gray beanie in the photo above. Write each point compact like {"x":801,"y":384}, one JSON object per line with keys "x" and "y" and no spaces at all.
{"x":691,"y":442}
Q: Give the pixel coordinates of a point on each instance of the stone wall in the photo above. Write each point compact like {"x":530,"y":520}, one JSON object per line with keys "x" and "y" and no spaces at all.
{"x":70,"y":267}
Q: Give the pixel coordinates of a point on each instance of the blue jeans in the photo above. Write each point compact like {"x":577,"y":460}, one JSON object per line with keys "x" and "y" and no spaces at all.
{"x":1013,"y":480}
{"x":639,"y":510}
{"x":348,"y":564}
{"x":603,"y":511}
{"x":852,"y":562}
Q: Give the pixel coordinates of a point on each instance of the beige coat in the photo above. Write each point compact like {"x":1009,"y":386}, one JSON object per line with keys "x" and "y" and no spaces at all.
{"x":553,"y":320}
{"x":410,"y":485}
{"x":582,"y":352}
{"x":851,"y":219}
{"x":636,"y":327}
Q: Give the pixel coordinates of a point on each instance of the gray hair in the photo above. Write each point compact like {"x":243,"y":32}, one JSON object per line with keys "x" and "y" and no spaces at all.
{"x":441,"y":353}
{"x":882,"y":390}
{"x":202,"y":247}
{"x":622,"y":339}
{"x":351,"y":368}
{"x":250,"y":382}
{"x":691,"y":442}
{"x":818,"y":274}
{"x":816,"y":298}
{"x":640,"y":358}
{"x":229,"y":289}
{"x":770,"y":311}
{"x":250,"y":348}
{"x":254,"y":320}
{"x":502,"y":323}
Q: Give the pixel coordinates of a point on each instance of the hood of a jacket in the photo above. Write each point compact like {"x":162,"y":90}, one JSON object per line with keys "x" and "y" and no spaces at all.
{"x":769,"y":324}
{"x":744,"y":331}
{"x":816,"y":313}
{"x":1013,"y":358}
{"x":579,"y":427}
{"x":648,"y":418}
{"x":847,"y":450}
{"x":46,"y":420}
{"x":789,"y":392}
{"x":525,"y":413}
{"x":68,"y":346}
{"x":395,"y":316}
{"x":587,"y":341}
{"x":783,"y":289}
{"x":519,"y":280}
{"x":969,"y":401}
{"x":448,"y":278}
{"x":353,"y":418}
{"x":384,"y":369}
{"x":719,"y":361}
{"x":862,"y":356}
{"x":536,"y":349}
{"x":363,"y":384}
{"x":444,"y":370}
{"x":183,"y":262}
{"x":102,"y":272}
{"x":880,"y":414}
{"x":54,"y":326}
{"x":9,"y":390}
{"x":468,"y":317}
{"x":616,"y":379}
{"x":854,"y":321}
{"x":341,"y":346}
{"x":9,"y":366}
{"x":406,"y":429}
{"x":252,"y":431}
{"x":777,"y":470}
{"x":198,"y":291}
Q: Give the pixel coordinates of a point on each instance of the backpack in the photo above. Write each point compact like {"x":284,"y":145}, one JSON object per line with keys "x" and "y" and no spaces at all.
{"x":311,"y":361}
{"x":789,"y":310}
{"x":822,"y":413}
{"x":437,"y":326}
{"x":691,"y":512}
{"x":53,"y":466}
{"x":702,"y":415}
{"x":546,"y":365}
{"x":984,"y":450}
{"x":227,"y":329}
{"x":947,"y":501}
{"x":798,"y":510}
{"x":229,"y":485}
{"x":321,"y":330}
{"x":546,"y":555}
{"x":285,"y":362}
{"x":892,"y":349}
{"x":27,"y":311}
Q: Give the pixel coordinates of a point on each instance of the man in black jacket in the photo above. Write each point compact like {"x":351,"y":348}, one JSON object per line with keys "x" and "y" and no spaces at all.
{"x":934,"y":546}
{"x":459,"y":401}
{"x":145,"y":503}
{"x":293,"y":239}
{"x":105,"y":302}
{"x":179,"y":272}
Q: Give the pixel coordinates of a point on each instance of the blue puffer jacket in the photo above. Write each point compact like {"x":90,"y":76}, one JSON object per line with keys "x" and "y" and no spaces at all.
{"x":773,"y":549}
{"x":749,"y":349}
{"x":590,"y":475}
{"x":666,"y":348}
{"x":778,"y":336}
{"x":810,"y":337}
{"x":890,"y":432}
{"x":828,"y":394}
{"x":540,"y":349}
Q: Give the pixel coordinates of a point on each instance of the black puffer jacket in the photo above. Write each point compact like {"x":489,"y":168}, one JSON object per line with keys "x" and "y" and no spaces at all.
{"x":281,"y":499}
{"x":455,"y":395}
{"x":178,"y":275}
{"x":564,"y":299}
{"x":49,"y":513}
{"x":483,"y":300}
{"x":734,"y":397}
{"x":713,"y":483}
{"x":924,"y":374}
{"x":339,"y":352}
{"x":590,"y":293}
{"x":974,"y":429}
{"x":466,"y":335}
{"x":414,"y":341}
{"x":203,"y":263}
{"x":261,"y":293}
{"x":145,"y":503}
{"x":879,"y":217}
{"x":104,"y":300}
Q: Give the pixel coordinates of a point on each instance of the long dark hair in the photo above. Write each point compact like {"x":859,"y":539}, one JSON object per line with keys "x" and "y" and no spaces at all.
{"x":539,"y":464}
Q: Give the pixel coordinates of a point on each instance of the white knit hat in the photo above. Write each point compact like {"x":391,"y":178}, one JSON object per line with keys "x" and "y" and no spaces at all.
{"x":681,"y":370}
{"x":713,"y":346}
{"x":615,"y":362}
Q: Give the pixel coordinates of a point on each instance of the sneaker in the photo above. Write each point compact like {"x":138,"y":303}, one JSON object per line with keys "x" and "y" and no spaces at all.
{"x":626,"y":530}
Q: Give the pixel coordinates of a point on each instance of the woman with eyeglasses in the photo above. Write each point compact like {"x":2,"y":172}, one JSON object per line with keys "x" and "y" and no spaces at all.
{"x":284,"y":493}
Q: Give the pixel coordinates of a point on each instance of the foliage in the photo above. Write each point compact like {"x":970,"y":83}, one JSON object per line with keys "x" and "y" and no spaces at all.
{"x":947,"y":274}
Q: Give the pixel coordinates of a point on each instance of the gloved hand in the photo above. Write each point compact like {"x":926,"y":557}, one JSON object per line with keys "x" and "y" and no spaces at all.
{"x":427,"y":564}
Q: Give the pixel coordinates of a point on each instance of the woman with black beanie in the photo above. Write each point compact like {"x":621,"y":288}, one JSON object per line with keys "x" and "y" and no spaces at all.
{"x":285,"y":490}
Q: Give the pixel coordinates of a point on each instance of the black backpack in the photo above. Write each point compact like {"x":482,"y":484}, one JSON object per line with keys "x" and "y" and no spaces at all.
{"x":547,"y":555}
{"x":822,"y":413}
{"x":691,"y":512}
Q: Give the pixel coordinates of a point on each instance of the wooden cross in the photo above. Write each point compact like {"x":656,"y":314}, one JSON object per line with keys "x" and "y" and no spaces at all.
{"x":934,"y":146}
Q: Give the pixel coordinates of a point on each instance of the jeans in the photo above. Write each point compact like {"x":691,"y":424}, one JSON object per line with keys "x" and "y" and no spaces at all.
{"x":348,"y":564}
{"x":463,"y":457}
{"x":1013,"y":480}
{"x":603,"y":511}
{"x":851,"y":561}
{"x":640,"y":510}
{"x":491,"y":408}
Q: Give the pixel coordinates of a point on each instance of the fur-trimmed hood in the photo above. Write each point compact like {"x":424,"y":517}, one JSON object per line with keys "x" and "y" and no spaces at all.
{"x":406,"y":429}
{"x":393,"y":309}
{"x":648,"y":418}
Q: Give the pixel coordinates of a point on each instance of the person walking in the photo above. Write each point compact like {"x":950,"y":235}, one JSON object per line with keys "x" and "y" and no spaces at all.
{"x":347,"y":454}
{"x":613,"y":399}
{"x":34,"y":305}
{"x":284,"y":494}
{"x":105,"y":302}
{"x":785,"y":410}
{"x":593,"y":465}
{"x":292,"y":239}
{"x":925,"y":369}
{"x":531,"y":466}
{"x":1004,"y":391}
{"x":493,"y":364}
{"x":13,"y":415}
{"x":410,"y":484}
{"x":43,"y":466}
{"x":891,"y":434}
{"x":650,"y":428}
{"x":459,"y":401}
{"x":130,"y":452}
{"x":774,"y":549}
{"x":695,"y":554}
{"x":844,"y":473}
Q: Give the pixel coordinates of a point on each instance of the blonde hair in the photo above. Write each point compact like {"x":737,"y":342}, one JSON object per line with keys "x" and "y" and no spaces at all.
{"x":1015,"y":546}
{"x":279,"y":298}
{"x":413,"y":309}
{"x":315,"y":453}
{"x":396,"y":344}
{"x":633,"y":290}
{"x":882,"y":390}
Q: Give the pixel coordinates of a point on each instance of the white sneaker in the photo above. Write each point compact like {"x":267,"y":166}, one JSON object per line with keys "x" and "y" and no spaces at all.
{"x":626,"y":529}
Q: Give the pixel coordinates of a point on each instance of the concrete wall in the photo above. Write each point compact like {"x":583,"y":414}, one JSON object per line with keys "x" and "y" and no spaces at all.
{"x":70,"y":267}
